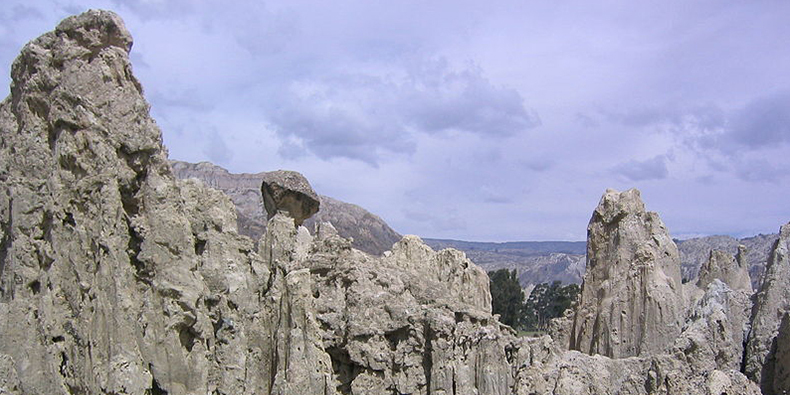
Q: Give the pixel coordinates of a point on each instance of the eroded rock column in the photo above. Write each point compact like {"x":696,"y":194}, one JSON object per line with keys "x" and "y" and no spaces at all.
{"x":631,"y":301}
{"x":771,"y":303}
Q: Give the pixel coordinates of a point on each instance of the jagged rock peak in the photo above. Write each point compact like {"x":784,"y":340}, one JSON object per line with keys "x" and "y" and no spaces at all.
{"x":772,"y":301}
{"x":96,"y":29}
{"x":290,"y":192}
{"x":615,"y":205}
{"x":631,"y":301}
{"x":732,"y":270}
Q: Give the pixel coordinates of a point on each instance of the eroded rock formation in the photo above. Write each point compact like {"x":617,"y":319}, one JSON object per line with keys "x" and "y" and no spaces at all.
{"x":781,"y":376}
{"x":632,"y":299}
{"x":116,"y":278}
{"x":290,"y":192}
{"x":772,"y":301}
{"x":715,"y":329}
{"x":695,"y":252}
{"x":733,"y":271}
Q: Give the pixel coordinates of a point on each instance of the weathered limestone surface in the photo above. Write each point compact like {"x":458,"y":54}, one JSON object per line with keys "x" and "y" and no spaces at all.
{"x":9,"y":381}
{"x":715,"y":330}
{"x":544,"y":370}
{"x":632,"y":299}
{"x":781,"y":376}
{"x":399,"y":324}
{"x":290,"y":192}
{"x":733,"y":271}
{"x":772,"y":301}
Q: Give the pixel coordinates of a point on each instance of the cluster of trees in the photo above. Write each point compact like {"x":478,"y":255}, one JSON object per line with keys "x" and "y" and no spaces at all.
{"x":546,"y":301}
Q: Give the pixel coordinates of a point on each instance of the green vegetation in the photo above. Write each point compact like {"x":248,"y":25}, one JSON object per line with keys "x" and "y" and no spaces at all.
{"x":548,"y":301}
{"x":507,"y":298}
{"x":545,"y":302}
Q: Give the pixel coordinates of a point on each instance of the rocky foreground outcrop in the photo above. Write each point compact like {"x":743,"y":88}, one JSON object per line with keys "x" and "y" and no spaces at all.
{"x":117,"y":278}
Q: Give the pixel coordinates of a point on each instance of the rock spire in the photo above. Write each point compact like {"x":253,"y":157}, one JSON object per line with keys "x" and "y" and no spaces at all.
{"x":631,"y":299}
{"x":732,"y":270}
{"x":772,"y":302}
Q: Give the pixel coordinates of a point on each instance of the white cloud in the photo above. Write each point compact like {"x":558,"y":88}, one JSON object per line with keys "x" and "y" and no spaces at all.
{"x":429,"y":110}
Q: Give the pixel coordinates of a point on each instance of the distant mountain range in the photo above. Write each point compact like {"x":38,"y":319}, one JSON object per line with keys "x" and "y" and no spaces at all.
{"x":547,"y":261}
{"x":535,"y":261}
{"x":693,"y":252}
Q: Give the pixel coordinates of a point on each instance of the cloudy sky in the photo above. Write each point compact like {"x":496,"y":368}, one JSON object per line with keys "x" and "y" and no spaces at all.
{"x":458,"y":119}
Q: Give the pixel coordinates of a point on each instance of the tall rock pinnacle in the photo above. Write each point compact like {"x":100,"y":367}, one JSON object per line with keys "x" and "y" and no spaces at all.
{"x":772,"y":301}
{"x":631,"y":301}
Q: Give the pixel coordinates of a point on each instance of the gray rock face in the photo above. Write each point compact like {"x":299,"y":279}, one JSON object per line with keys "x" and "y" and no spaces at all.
{"x":415,"y":321}
{"x":733,"y":271}
{"x":369,"y":232}
{"x":781,"y":376}
{"x":289,"y":191}
{"x":114,"y":278}
{"x":574,"y":373}
{"x":772,"y":301}
{"x":715,"y":330}
{"x":632,"y":299}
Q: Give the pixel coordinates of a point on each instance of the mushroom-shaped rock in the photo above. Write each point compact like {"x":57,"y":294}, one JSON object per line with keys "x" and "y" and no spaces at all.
{"x":290,"y":192}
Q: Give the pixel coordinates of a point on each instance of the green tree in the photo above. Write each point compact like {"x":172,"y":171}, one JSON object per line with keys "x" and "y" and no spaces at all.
{"x":547,"y":301}
{"x":507,"y":298}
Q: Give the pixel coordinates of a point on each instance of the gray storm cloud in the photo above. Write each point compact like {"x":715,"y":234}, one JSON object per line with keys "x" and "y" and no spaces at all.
{"x":355,"y":116}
